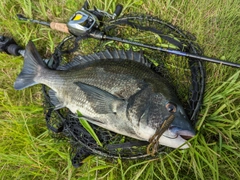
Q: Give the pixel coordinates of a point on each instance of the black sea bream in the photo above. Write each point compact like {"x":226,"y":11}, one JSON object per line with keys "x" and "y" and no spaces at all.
{"x":120,"y":94}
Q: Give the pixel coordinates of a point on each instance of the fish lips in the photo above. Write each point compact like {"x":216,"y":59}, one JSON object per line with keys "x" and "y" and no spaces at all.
{"x":174,"y":131}
{"x":180,"y":131}
{"x":176,"y":138}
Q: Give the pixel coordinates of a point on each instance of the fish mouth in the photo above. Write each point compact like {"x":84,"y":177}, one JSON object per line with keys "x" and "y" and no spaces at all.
{"x":177,"y":138}
{"x":173,"y":132}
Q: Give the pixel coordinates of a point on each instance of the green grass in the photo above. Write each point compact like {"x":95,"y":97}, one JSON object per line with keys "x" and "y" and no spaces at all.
{"x":27,"y":151}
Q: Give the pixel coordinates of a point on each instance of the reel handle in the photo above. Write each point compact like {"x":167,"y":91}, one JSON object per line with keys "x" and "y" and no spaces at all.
{"x":86,"y":5}
{"x":118,"y":10}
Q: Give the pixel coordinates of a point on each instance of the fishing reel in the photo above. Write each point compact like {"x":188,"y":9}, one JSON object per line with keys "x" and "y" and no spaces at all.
{"x":84,"y":21}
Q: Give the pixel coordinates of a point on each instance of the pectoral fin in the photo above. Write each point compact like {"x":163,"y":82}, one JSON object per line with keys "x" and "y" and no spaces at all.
{"x":102,"y":101}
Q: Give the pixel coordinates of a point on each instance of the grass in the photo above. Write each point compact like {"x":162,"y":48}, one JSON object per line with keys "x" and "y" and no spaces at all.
{"x":27,"y":151}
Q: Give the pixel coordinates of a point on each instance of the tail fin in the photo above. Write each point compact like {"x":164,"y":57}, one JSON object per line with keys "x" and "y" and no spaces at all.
{"x":33,"y":64}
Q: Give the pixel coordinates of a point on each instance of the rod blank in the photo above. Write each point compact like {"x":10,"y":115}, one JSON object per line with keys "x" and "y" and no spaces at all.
{"x":180,"y":53}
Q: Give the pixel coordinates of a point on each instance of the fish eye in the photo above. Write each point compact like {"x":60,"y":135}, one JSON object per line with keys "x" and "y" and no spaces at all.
{"x":171,"y":107}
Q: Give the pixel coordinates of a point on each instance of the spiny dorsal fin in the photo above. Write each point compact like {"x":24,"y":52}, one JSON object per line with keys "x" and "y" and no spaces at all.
{"x":107,"y":54}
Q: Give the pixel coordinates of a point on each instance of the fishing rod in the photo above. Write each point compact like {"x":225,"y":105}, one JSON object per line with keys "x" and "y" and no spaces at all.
{"x":86,"y":22}
{"x":171,"y":51}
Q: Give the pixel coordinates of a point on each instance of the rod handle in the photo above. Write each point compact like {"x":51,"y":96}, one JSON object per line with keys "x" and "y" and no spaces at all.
{"x":9,"y":46}
{"x":59,"y":27}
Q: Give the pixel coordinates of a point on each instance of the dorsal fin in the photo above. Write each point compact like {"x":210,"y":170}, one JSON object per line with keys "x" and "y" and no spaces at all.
{"x":107,"y":54}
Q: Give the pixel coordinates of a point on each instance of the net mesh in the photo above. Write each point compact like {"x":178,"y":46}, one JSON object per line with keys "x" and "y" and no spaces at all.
{"x":186,"y":76}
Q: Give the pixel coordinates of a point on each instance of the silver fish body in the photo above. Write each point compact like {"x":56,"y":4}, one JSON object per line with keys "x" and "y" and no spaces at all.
{"x":119,"y":94}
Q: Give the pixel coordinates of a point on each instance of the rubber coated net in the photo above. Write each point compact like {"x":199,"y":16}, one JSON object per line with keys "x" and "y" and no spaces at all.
{"x":186,"y":76}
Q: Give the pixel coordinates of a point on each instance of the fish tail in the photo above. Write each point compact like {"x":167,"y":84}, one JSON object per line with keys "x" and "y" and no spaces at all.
{"x":33,"y":65}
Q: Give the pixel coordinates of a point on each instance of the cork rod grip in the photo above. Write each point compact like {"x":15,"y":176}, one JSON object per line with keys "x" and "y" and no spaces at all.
{"x":59,"y":27}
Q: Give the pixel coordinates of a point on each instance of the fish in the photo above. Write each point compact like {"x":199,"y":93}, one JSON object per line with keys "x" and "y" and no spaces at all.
{"x":115,"y":90}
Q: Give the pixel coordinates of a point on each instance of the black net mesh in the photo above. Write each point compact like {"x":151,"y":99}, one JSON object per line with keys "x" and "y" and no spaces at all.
{"x":185,"y":75}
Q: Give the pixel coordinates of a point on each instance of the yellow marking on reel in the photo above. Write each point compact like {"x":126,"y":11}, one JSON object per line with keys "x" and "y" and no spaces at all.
{"x":77,"y":17}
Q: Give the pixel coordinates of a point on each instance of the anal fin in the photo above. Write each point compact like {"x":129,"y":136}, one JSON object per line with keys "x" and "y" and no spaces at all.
{"x":55,"y":101}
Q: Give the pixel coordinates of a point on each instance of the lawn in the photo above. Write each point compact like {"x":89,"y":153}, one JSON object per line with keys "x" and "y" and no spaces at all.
{"x":27,"y":149}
